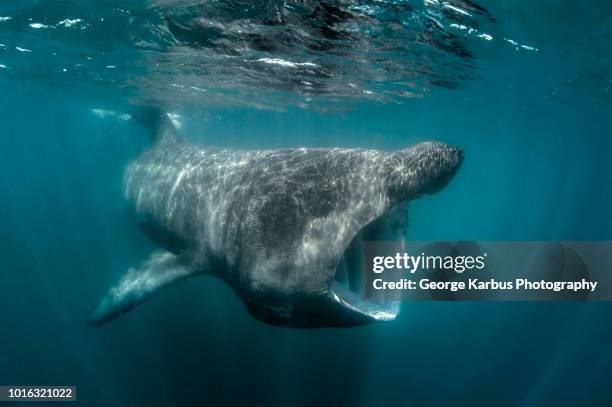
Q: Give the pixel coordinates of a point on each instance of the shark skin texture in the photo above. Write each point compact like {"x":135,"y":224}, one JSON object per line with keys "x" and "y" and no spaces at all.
{"x":284,"y":228}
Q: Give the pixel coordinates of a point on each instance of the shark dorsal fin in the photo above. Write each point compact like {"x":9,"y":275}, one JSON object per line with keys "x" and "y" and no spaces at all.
{"x":160,"y":125}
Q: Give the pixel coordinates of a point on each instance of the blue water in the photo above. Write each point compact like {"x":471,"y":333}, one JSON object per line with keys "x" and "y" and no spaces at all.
{"x":535,"y":128}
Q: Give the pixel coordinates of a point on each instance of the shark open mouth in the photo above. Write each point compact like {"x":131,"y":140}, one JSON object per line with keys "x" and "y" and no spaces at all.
{"x":347,"y":286}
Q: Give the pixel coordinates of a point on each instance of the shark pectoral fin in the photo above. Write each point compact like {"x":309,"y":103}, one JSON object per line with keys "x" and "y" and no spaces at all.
{"x":159,"y":271}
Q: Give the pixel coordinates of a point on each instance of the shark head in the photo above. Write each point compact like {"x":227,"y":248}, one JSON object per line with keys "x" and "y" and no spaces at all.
{"x":309,"y":214}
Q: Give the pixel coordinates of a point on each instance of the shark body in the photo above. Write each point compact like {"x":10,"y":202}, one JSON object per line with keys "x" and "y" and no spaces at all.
{"x":282,"y":227}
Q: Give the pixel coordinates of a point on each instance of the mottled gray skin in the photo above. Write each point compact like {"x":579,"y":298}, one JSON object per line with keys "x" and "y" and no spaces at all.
{"x":273,"y":224}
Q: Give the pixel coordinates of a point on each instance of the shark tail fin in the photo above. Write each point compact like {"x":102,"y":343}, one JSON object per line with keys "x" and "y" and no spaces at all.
{"x":162,"y":126}
{"x":159,"y":271}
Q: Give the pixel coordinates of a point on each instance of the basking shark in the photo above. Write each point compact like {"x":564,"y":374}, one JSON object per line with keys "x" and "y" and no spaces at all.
{"x":284,"y":228}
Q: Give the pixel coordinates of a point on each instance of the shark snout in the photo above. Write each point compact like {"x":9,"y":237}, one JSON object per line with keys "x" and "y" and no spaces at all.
{"x":447,"y":155}
{"x":422,"y":169}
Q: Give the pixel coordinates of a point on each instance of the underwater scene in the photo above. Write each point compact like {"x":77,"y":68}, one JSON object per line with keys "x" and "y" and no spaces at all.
{"x":253,"y":145}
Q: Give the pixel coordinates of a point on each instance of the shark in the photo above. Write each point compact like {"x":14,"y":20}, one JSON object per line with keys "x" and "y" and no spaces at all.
{"x":284,"y":228}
